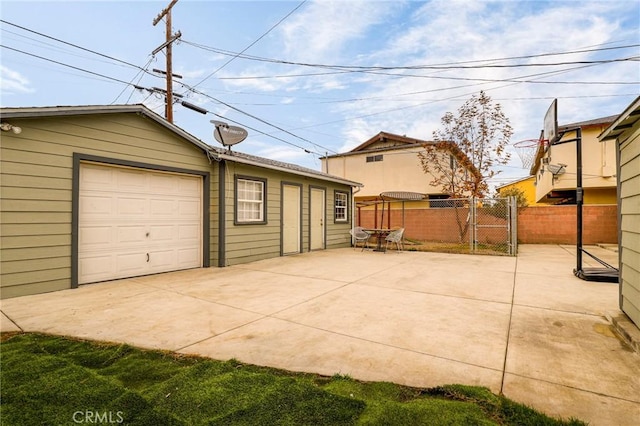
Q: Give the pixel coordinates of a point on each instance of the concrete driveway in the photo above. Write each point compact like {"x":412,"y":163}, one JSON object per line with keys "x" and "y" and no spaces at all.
{"x":522,"y":326}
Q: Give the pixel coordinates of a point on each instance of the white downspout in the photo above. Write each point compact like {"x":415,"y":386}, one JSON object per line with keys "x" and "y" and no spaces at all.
{"x":353,"y":213}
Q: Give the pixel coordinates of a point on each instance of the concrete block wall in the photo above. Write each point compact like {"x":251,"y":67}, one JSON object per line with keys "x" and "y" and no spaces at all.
{"x":436,"y":225}
{"x":536,"y":225}
{"x":557,"y":224}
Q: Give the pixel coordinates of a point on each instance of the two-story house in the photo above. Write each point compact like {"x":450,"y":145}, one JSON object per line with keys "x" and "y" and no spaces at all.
{"x":389,"y":163}
{"x":551,"y":188}
{"x":555,"y":167}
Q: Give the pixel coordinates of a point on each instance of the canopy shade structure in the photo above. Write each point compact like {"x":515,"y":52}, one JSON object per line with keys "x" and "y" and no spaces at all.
{"x":402,"y":196}
{"x":389,"y":197}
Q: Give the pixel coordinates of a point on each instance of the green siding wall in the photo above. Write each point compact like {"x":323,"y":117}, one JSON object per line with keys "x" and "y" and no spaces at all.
{"x":36,"y":188}
{"x":246,"y":243}
{"x":630,"y":230}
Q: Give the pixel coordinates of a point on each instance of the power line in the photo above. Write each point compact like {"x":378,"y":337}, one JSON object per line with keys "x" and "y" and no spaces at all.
{"x":138,"y":83}
{"x":240,"y":55}
{"x":127,"y":84}
{"x":267,"y":134}
{"x":67,"y":65}
{"x":250,"y":45}
{"x":76,"y":46}
{"x":486,"y":80}
{"x":205,"y":111}
{"x":341,"y":69}
{"x":443,"y":66}
{"x":50,"y":47}
{"x":195,"y":91}
{"x":235,"y":108}
{"x":256,"y":118}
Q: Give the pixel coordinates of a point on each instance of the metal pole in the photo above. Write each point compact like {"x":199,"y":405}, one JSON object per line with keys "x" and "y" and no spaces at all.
{"x":579,"y":201}
{"x":375,"y":214}
{"x":470,"y":229}
{"x":515,"y":226}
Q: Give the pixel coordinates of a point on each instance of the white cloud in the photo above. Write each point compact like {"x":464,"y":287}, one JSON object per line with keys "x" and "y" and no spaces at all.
{"x":445,"y":31}
{"x":453,"y":31}
{"x":195,"y":73}
{"x":323,"y":28}
{"x":12,"y":82}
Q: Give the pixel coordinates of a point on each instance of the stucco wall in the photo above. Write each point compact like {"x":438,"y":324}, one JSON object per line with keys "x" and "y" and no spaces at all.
{"x":598,"y":164}
{"x":398,"y":170}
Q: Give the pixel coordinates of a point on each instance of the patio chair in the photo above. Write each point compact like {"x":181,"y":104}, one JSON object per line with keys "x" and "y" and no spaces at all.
{"x":395,"y":237}
{"x":360,"y":235}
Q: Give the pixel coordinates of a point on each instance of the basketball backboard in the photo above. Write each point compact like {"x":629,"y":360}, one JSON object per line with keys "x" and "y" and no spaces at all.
{"x":550,"y":125}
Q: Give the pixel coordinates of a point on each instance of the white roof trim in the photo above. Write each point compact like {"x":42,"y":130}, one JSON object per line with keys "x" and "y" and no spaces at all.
{"x":250,"y":162}
{"x":624,"y":121}
{"x":515,"y":181}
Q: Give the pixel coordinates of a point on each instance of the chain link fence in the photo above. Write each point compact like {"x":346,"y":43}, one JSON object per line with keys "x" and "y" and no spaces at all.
{"x":464,"y":225}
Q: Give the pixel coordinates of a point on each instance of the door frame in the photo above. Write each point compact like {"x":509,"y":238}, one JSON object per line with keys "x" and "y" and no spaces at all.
{"x":324,"y":216}
{"x":79,"y":158}
{"x":299,"y":186}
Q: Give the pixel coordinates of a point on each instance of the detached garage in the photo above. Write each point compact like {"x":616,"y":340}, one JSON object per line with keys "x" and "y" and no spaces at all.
{"x":97,"y":193}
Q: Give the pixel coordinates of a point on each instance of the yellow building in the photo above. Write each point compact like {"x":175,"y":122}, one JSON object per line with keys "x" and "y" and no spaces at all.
{"x":526,"y":185}
{"x":555,"y":168}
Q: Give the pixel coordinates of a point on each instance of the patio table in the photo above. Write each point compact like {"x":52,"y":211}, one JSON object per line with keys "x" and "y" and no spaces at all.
{"x":380,"y":235}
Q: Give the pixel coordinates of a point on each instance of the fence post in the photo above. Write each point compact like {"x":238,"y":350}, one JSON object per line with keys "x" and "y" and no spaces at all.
{"x":472,"y":225}
{"x":513,"y":222}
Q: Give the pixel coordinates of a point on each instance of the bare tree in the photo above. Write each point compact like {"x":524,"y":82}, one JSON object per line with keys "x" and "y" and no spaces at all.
{"x":468,"y":147}
{"x":466,"y":150}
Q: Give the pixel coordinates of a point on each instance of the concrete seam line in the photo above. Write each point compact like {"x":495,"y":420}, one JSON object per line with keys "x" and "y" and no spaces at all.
{"x":576,"y":388}
{"x":12,"y":321}
{"x":387,"y":345}
{"x":506,"y":348}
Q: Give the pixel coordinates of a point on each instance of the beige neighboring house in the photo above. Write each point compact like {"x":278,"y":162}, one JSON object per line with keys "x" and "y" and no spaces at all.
{"x":97,"y":193}
{"x":555,"y":166}
{"x":624,"y":132}
{"x":387,"y":163}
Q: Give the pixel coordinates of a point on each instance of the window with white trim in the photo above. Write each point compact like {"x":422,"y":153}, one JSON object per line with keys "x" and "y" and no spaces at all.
{"x":341,"y":204}
{"x":250,"y":200}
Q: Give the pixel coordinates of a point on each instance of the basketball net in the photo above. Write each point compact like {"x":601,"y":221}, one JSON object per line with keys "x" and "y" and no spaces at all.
{"x":527,"y":150}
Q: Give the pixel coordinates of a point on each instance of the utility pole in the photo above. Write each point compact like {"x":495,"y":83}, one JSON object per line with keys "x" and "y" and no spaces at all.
{"x":169,"y":40}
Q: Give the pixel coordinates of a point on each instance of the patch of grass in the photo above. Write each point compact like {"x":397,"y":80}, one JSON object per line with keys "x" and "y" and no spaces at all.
{"x":49,"y":380}
{"x":504,"y":410}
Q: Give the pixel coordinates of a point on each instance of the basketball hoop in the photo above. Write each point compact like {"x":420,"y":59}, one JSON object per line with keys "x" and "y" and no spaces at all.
{"x":527,"y":150}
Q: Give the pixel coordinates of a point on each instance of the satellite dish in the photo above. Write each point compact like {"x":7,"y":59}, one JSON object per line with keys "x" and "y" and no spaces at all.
{"x":228,"y":135}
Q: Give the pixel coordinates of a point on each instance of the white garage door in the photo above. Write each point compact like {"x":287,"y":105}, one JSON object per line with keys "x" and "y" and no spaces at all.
{"x":135,"y":222}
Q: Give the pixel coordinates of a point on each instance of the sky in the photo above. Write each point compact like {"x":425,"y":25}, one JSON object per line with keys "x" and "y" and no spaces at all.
{"x":311,"y":78}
